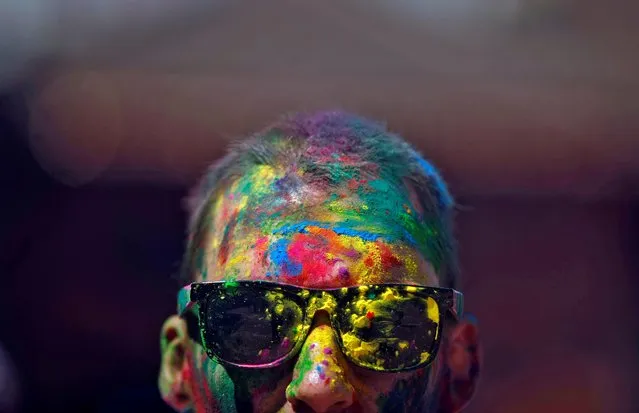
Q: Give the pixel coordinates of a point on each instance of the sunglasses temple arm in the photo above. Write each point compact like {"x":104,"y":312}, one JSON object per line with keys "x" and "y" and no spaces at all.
{"x":184,"y":300}
{"x":187,"y":310}
{"x":458,"y":304}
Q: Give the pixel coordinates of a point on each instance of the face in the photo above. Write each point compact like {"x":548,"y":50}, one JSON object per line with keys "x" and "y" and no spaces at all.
{"x":268,"y":226}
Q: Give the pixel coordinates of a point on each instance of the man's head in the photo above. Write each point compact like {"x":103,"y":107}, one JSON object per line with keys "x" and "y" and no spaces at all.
{"x":323,"y":201}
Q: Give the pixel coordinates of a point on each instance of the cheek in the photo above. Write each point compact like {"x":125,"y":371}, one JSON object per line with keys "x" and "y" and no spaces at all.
{"x":408,"y":393}
{"x":217,"y":389}
{"x":260,"y":390}
{"x":211,"y":387}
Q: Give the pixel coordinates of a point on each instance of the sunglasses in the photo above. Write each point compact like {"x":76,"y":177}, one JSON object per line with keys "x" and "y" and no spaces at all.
{"x":255,"y":324}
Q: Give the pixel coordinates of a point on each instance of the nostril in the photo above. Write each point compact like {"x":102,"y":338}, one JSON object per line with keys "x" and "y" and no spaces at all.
{"x":301,"y":407}
{"x":320,"y":405}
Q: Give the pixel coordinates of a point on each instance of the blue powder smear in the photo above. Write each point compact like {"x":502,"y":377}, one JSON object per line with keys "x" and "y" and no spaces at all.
{"x":278,"y":255}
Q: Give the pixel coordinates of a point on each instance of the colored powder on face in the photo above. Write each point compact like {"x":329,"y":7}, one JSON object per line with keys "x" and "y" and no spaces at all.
{"x":223,"y":250}
{"x":279,"y":256}
{"x":314,"y":366}
{"x":309,"y":253}
{"x":314,"y":226}
{"x":231,"y":285}
{"x":388,"y":260}
{"x":200,"y":264}
{"x":318,"y":250}
{"x":344,"y":273}
{"x":260,"y":247}
{"x":302,"y":368}
{"x":408,"y":395}
{"x":212,"y":386}
{"x":352,"y":235}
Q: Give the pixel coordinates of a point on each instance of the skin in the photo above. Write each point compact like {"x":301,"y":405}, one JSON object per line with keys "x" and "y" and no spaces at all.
{"x":270,"y":225}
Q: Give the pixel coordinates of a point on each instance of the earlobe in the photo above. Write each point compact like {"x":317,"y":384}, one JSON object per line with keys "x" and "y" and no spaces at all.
{"x":463,"y":359}
{"x":174,"y":389}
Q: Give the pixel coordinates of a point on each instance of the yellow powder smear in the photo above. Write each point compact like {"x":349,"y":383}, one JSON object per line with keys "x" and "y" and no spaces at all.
{"x":242,"y":203}
{"x":361,"y":322}
{"x":361,"y":305}
{"x":424,"y":356}
{"x":358,"y":348}
{"x":335,"y":206}
{"x":410,"y":264}
{"x":326,"y":302}
{"x":235,"y":260}
{"x":432,"y":310}
{"x":389,"y":294}
{"x":262,"y":177}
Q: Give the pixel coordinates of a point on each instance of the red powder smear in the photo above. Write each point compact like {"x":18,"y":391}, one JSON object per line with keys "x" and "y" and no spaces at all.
{"x":309,"y":251}
{"x":261,"y":245}
{"x":369,"y":261}
{"x":350,"y":159}
{"x":388,"y":259}
{"x":327,"y":381}
{"x":187,"y":373}
{"x":223,"y":253}
{"x":202,"y":399}
{"x":354,"y":184}
{"x":414,"y":200}
{"x":370,"y":315}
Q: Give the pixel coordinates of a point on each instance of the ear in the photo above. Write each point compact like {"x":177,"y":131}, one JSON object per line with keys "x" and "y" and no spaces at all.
{"x":463,"y":358}
{"x":174,"y":389}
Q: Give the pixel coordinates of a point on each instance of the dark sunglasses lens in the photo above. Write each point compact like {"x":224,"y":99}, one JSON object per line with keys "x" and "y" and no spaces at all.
{"x":252,"y":326}
{"x":389,"y":328}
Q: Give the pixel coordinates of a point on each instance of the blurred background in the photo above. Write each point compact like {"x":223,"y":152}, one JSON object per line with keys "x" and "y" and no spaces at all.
{"x":109,"y":110}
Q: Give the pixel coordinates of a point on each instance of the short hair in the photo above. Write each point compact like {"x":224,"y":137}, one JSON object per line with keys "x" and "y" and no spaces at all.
{"x":312,"y":142}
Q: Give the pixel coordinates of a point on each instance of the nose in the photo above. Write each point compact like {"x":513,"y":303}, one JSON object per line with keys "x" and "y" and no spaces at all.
{"x":319,"y":380}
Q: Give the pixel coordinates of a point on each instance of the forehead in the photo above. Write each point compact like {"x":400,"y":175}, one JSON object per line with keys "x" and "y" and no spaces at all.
{"x":278,"y":224}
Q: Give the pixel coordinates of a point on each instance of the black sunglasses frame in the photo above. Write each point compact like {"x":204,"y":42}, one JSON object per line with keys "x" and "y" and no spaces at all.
{"x":194,"y":312}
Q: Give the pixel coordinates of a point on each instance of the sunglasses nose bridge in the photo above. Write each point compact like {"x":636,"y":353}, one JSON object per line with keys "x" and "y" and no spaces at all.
{"x":321,"y":302}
